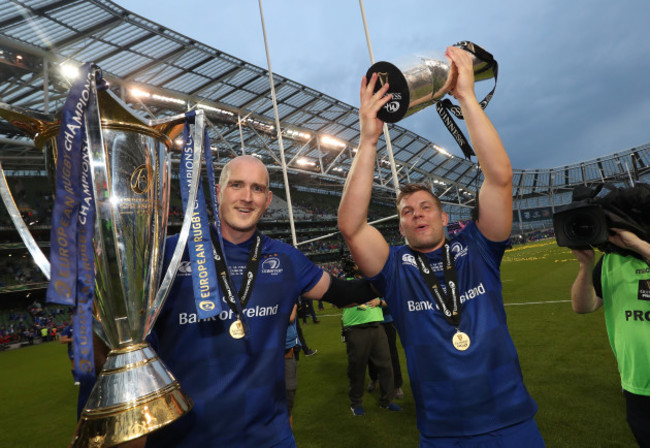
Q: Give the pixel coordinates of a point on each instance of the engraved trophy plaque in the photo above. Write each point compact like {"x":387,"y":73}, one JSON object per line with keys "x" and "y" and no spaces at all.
{"x":130,"y":164}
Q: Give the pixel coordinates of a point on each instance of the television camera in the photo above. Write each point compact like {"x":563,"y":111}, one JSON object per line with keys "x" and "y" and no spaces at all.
{"x":587,"y":220}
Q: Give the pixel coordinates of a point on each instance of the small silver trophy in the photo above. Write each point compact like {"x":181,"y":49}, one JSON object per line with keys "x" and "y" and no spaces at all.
{"x":130,"y":161}
{"x":417,"y":82}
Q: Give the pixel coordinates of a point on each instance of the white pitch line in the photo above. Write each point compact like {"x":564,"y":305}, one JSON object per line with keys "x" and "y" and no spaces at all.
{"x":329,"y":315}
{"x":505,"y":304}
{"x":537,"y":303}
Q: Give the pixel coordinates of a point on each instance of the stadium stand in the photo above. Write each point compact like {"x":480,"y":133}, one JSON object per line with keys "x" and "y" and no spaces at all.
{"x":234,"y":95}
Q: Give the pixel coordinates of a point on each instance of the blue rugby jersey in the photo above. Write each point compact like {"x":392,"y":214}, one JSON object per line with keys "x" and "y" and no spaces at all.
{"x":457,"y":393}
{"x":237,"y":385}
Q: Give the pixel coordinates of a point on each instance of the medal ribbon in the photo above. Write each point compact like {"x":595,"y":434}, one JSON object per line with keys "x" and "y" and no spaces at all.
{"x":204,"y":281}
{"x":237,"y":305}
{"x":449,"y":301}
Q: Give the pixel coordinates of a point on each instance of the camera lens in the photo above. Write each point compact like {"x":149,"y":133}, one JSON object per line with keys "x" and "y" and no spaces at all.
{"x":582,"y":227}
{"x":580,"y":224}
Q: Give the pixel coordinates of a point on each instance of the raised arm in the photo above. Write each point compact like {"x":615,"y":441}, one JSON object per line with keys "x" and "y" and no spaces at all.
{"x":495,"y":195}
{"x":367,"y":245}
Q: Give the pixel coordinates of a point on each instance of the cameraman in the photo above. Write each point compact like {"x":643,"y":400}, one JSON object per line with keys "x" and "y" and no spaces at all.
{"x":622,"y":284}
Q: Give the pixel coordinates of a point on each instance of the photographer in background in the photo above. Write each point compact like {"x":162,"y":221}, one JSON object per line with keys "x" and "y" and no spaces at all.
{"x":621,"y":282}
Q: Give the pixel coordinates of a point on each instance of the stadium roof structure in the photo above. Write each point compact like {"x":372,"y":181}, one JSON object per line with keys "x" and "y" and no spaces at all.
{"x":160,"y":72}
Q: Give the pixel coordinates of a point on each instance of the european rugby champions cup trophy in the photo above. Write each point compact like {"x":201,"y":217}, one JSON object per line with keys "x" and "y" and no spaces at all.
{"x":417,"y":82}
{"x":123,"y":165}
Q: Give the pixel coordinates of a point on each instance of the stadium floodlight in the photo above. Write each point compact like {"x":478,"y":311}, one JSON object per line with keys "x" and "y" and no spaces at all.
{"x":139,"y":93}
{"x":167,"y":99}
{"x":332,"y":142}
{"x":441,"y":150}
{"x":305,"y":162}
{"x":69,"y":71}
{"x":297,"y":135}
{"x":215,"y":109}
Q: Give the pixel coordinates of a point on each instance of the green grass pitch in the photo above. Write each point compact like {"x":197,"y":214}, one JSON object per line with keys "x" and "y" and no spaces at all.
{"x":567,"y":363}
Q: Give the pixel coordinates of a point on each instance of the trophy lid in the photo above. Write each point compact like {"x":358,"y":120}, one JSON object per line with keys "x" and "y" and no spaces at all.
{"x":398,"y":106}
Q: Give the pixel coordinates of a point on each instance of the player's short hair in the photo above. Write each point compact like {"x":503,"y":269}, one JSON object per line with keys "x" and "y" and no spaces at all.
{"x":408,"y":189}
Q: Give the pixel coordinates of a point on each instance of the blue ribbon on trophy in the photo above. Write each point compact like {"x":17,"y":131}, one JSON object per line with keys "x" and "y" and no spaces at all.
{"x":72,"y":255}
{"x":204,"y":280}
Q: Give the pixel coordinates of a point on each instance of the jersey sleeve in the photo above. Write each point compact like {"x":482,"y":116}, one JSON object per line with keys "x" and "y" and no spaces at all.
{"x":387,"y":273}
{"x":307,"y":272}
{"x":491,"y":251}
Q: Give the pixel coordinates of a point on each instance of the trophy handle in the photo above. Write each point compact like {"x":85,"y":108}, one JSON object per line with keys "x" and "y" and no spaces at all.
{"x":172,"y":269}
{"x":32,"y":246}
{"x":32,"y":124}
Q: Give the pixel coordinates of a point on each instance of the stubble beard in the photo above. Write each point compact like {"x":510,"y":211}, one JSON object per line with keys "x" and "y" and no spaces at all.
{"x":426,"y":244}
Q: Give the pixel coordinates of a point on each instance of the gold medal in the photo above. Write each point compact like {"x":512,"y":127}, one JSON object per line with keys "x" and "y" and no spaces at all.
{"x":461,"y":341}
{"x":237,"y":329}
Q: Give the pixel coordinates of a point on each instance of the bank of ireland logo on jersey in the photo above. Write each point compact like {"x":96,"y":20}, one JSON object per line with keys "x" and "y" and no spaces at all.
{"x":409,"y":260}
{"x":272,"y":266}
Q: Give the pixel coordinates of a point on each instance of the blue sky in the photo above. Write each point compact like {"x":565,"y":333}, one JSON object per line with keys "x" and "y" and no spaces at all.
{"x":573,"y":75}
